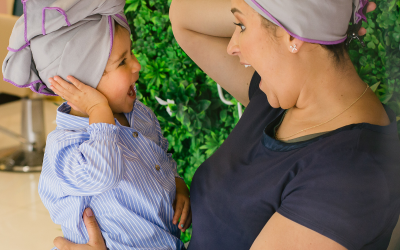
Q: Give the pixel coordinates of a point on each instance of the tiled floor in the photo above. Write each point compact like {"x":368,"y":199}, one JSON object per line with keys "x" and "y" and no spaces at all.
{"x":25,"y":223}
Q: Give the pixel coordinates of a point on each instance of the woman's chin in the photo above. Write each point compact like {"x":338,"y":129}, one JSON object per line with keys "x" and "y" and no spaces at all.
{"x":273,"y":101}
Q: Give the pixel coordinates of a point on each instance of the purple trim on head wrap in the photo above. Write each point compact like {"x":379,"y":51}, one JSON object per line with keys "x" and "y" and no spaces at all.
{"x":27,"y":43}
{"x":294,"y":35}
{"x":44,"y":17}
{"x":19,"y":86}
{"x":42,"y":93}
{"x":42,"y":87}
{"x":111,"y":34}
{"x":25,"y":21}
{"x":30,"y":85}
{"x":16,"y":50}
{"x":122,"y":18}
{"x":359,"y":15}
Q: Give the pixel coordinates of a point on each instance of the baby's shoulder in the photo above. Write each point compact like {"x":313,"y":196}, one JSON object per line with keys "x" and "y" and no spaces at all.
{"x":142,"y":109}
{"x":66,"y":136}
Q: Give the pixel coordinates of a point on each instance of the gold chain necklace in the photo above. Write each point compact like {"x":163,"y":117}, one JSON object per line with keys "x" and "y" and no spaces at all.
{"x":276,"y":134}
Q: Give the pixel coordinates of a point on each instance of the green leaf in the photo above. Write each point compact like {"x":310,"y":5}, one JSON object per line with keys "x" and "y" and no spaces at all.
{"x":186,"y":119}
{"x":375,"y":86}
{"x":396,"y":37}
{"x":203,"y":105}
{"x":133,"y":7}
{"x":392,"y":4}
{"x":371,"y":45}
{"x":363,"y":61}
{"x":190,"y":90}
{"x":223,"y":115}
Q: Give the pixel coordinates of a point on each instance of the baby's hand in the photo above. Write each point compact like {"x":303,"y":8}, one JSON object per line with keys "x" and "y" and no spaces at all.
{"x":182,"y":205}
{"x":79,"y":96}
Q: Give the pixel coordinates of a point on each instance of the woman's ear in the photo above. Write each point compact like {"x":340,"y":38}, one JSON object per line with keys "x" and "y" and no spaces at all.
{"x":294,"y":45}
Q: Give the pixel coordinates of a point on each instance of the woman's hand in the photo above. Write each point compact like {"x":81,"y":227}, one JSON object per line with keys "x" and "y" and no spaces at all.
{"x":370,"y":7}
{"x":96,"y":241}
{"x":79,"y":96}
{"x":182,"y":205}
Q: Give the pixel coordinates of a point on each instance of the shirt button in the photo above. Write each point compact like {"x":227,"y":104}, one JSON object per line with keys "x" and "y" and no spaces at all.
{"x":157,"y":168}
{"x":135,"y":134}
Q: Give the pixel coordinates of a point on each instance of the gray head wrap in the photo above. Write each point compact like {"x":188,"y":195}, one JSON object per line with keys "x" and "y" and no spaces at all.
{"x":62,"y":37}
{"x":314,"y":21}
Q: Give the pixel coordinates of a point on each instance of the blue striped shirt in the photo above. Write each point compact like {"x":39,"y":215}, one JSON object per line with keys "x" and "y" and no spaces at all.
{"x":124,"y":174}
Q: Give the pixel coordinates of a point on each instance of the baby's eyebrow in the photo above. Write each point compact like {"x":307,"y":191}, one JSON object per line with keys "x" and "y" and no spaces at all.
{"x":122,"y":56}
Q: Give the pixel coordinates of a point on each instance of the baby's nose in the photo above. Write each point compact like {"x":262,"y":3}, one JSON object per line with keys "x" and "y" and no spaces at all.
{"x":136,"y":67}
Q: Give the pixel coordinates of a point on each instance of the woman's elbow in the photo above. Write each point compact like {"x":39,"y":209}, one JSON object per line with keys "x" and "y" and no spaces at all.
{"x":172,"y":12}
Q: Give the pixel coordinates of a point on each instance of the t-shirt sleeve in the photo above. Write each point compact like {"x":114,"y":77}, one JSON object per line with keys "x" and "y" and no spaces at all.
{"x":254,"y":84}
{"x":344,"y":198}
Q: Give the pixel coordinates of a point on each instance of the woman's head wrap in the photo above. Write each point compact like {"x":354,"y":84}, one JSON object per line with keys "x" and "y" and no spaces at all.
{"x":62,"y":37}
{"x":314,"y":21}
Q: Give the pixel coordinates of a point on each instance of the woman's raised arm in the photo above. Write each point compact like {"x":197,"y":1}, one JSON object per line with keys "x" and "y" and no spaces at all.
{"x":203,"y":29}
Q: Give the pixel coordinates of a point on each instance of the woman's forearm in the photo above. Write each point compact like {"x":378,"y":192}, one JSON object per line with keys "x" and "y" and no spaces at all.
{"x":209,"y":17}
{"x":203,"y":29}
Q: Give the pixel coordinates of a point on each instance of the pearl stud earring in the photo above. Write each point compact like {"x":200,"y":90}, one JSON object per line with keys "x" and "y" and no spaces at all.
{"x":294,"y":48}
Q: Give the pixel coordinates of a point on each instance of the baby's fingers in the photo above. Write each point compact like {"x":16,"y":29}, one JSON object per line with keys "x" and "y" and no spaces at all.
{"x":78,"y":84}
{"x":371,"y":6}
{"x":178,"y":207}
{"x":58,"y":89}
{"x":185,"y":215}
{"x":188,"y":222}
{"x":66,"y":85}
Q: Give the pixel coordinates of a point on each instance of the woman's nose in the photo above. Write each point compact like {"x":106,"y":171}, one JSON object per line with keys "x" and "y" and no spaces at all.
{"x":233,"y":46}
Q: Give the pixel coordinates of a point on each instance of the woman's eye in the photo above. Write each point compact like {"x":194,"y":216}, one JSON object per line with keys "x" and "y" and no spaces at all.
{"x":242,"y":27}
{"x":122,"y":63}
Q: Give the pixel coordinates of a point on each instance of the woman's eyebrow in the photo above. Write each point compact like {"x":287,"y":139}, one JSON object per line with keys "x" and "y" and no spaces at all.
{"x":122,"y":56}
{"x":233,"y":10}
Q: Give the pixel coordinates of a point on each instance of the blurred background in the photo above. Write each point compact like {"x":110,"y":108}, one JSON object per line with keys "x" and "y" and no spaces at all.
{"x":195,"y":114}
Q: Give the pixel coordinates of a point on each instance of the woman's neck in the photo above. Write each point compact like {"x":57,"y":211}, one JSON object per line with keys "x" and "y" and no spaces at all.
{"x":327,"y":89}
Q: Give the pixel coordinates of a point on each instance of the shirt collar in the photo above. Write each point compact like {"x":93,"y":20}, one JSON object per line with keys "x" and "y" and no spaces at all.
{"x":65,"y":120}
{"x":271,"y":143}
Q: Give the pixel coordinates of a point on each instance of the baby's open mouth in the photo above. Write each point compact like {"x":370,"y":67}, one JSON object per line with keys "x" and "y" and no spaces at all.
{"x":131,"y":91}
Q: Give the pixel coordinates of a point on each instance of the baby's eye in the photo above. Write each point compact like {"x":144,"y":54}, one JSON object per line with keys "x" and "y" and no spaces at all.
{"x":122,"y":63}
{"x":242,"y":27}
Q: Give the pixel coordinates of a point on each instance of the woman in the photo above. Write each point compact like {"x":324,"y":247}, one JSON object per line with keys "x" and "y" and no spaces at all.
{"x":313,"y":162}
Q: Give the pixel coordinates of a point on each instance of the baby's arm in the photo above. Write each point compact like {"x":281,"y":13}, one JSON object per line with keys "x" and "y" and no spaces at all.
{"x":87,"y":162}
{"x":182,"y":201}
{"x":87,"y":165}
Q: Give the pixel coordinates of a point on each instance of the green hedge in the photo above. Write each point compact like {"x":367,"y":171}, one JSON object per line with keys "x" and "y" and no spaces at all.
{"x":200,"y":122}
{"x":378,"y":63}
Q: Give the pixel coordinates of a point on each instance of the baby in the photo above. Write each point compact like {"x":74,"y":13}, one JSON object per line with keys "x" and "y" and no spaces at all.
{"x":107,"y":152}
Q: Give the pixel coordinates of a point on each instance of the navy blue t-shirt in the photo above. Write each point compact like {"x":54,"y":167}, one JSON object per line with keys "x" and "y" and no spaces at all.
{"x":344,"y":184}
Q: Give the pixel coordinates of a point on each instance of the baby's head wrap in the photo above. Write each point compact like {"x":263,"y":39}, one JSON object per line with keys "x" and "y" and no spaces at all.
{"x":314,"y":21}
{"x":62,"y":37}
